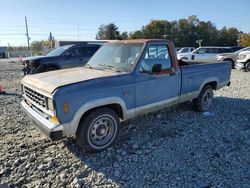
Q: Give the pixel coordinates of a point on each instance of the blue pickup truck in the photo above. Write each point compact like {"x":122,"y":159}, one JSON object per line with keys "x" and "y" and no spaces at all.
{"x":122,"y":80}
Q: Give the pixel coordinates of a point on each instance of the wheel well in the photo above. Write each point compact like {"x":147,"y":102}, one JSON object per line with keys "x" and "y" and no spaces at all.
{"x":116,"y":107}
{"x":228,"y":59}
{"x":212,"y":84}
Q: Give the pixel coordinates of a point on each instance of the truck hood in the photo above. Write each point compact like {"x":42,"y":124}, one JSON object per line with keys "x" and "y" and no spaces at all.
{"x":49,"y":81}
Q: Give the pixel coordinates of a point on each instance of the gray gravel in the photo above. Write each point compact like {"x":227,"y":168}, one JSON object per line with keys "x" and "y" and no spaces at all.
{"x":175,"y":147}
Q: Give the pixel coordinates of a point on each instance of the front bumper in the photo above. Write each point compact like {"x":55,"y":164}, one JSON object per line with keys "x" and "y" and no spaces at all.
{"x":239,"y":65}
{"x":50,"y":130}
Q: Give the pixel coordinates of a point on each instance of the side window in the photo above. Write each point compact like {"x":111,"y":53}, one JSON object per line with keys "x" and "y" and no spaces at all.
{"x":157,"y":55}
{"x":201,"y":51}
{"x":74,"y":52}
{"x":88,"y":51}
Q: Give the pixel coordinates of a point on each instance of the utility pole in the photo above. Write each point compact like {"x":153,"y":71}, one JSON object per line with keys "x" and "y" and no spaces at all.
{"x":199,"y":42}
{"x":238,"y":38}
{"x":27,"y":33}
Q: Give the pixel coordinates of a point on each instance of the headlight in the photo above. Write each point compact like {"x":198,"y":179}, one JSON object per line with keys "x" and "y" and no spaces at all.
{"x":242,"y":56}
{"x":50,"y":104}
{"x":219,"y":58}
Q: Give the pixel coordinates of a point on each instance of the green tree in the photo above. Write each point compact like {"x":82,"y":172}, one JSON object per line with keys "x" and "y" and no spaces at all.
{"x":37,"y":47}
{"x":124,"y":35}
{"x":108,"y":32}
{"x":136,"y":35}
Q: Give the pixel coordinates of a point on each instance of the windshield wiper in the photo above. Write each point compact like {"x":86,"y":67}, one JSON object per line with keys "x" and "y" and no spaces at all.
{"x":88,"y":66}
{"x":110,"y":67}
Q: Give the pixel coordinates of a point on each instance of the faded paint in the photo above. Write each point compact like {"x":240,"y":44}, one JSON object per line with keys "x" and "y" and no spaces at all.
{"x":49,"y":81}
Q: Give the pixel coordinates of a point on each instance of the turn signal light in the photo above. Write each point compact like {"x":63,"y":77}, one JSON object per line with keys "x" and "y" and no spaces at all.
{"x":65,"y":107}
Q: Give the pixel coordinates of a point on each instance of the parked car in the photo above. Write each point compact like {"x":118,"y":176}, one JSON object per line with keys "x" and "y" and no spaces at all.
{"x":236,"y":48}
{"x":185,"y":50}
{"x":203,"y":54}
{"x":243,"y":61}
{"x":67,"y":56}
{"x":122,"y":80}
{"x":232,"y":57}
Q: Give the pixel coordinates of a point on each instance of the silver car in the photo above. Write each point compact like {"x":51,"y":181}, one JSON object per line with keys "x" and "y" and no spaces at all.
{"x":204,"y":54}
{"x":232,"y":57}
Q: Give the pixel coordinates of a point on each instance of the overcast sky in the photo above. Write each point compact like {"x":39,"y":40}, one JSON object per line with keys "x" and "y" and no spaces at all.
{"x":65,"y":18}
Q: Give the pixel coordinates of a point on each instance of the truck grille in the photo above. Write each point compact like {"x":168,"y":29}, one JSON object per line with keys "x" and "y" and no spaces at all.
{"x":35,"y":97}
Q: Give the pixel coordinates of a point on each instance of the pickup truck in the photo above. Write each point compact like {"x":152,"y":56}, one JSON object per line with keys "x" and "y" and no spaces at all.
{"x":122,"y":80}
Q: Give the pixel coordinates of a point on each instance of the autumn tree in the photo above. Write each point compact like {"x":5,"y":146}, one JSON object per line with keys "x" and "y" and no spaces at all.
{"x":245,"y":40}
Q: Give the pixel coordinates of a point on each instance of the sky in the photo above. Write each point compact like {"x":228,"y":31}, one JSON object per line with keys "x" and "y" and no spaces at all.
{"x":80,"y":19}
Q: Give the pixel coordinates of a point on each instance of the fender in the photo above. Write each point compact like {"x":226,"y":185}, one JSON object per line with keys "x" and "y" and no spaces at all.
{"x":72,"y":128}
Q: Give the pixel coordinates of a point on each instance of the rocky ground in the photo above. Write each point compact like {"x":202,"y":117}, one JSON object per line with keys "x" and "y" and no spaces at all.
{"x":175,"y":147}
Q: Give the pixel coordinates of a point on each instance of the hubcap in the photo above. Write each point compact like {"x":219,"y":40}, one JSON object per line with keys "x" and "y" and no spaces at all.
{"x":207,"y":100}
{"x":102,"y":131}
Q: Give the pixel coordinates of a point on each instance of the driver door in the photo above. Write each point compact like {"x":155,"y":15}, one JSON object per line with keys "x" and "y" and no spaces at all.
{"x":156,"y":89}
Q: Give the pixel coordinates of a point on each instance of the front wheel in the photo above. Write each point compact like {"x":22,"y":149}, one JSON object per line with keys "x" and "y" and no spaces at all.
{"x":204,"y":101}
{"x":98,"y":130}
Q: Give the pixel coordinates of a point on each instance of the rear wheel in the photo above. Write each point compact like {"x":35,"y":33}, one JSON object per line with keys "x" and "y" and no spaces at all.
{"x":204,"y":101}
{"x":98,"y":130}
{"x":248,"y":67}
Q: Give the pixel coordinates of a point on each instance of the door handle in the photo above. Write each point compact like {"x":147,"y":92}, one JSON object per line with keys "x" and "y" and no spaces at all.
{"x":172,"y":74}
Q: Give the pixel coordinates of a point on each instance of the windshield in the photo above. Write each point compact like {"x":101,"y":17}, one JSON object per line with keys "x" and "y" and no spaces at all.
{"x":119,"y":57}
{"x":241,"y":50}
{"x":58,"y":51}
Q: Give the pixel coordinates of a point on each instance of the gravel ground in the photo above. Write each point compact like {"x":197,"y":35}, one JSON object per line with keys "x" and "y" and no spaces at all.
{"x":175,"y":147}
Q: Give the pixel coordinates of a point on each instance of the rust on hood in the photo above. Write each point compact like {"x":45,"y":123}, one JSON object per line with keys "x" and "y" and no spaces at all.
{"x":49,"y":81}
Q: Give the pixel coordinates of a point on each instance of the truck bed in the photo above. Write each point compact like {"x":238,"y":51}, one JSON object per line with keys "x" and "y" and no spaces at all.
{"x":195,"y":76}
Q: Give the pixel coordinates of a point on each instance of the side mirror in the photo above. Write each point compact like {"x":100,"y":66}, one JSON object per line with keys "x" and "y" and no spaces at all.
{"x":156,"y":68}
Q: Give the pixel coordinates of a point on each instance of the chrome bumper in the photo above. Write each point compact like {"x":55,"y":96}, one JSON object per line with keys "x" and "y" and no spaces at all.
{"x":50,"y":130}
{"x":239,"y":66}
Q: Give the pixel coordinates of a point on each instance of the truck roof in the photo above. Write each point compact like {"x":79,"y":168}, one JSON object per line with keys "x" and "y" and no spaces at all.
{"x":136,"y":41}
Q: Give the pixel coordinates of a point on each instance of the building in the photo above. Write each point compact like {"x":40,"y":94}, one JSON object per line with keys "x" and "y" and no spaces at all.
{"x":3,"y":52}
{"x":63,"y":43}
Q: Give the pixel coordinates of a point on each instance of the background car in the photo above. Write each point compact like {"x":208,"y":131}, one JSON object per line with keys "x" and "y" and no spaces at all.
{"x":67,"y":56}
{"x":204,"y":54}
{"x":232,"y":57}
{"x":185,"y":50}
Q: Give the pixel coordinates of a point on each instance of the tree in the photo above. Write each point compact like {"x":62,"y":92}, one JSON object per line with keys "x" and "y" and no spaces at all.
{"x":136,"y":35}
{"x":37,"y":47}
{"x":124,"y":35}
{"x":245,"y":40}
{"x":108,"y":32}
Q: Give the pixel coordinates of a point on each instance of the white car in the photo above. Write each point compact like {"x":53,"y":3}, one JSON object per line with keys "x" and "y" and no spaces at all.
{"x":243,"y":61}
{"x":185,"y":50}
{"x":204,"y":54}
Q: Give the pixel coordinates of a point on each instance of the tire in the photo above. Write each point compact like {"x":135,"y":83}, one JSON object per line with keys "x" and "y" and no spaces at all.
{"x":204,"y":101}
{"x":248,"y":66}
{"x":98,"y":130}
